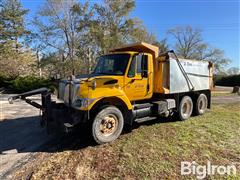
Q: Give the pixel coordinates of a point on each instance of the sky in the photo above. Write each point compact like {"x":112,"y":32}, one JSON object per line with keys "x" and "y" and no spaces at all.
{"x":218,"y":19}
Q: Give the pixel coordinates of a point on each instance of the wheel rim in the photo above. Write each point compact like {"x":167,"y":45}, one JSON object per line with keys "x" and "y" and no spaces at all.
{"x":202,"y":105}
{"x":186,"y":109}
{"x":108,"y":125}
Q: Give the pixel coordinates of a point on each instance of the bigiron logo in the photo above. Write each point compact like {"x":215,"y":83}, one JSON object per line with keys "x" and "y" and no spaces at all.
{"x":201,"y":171}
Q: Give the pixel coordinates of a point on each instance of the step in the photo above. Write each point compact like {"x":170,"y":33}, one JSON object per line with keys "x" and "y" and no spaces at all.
{"x":68,"y":127}
{"x":141,"y":106}
{"x":140,"y":120}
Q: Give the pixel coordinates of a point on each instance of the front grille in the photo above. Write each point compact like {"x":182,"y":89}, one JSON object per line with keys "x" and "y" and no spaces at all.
{"x":64,"y":88}
{"x":61,"y":90}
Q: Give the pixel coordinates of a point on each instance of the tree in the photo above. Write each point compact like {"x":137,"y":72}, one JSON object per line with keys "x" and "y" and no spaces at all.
{"x":112,"y":23}
{"x":114,"y":27}
{"x":233,"y":71}
{"x":60,"y":28}
{"x":163,"y":46}
{"x":187,"y":40}
{"x":76,"y":33}
{"x":14,"y":57}
{"x":190,"y":44}
{"x":12,"y":26}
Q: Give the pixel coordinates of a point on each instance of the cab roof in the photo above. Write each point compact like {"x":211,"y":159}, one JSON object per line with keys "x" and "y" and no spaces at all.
{"x":140,"y":47}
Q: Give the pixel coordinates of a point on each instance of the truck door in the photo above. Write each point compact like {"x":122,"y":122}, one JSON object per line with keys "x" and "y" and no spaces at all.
{"x":138,"y":80}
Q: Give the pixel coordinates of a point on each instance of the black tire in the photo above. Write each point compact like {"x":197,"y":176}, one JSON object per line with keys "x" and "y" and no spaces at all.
{"x":185,"y":108}
{"x":201,"y":104}
{"x":107,"y":125}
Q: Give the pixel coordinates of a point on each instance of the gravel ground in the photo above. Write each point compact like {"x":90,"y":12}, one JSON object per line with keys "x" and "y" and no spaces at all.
{"x":20,"y":134}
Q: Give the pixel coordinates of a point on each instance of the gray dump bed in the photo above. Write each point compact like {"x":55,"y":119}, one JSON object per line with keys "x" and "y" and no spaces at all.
{"x":187,"y":75}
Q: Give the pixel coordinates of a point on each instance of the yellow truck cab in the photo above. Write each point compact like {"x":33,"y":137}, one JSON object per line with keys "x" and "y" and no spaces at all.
{"x":133,"y":83}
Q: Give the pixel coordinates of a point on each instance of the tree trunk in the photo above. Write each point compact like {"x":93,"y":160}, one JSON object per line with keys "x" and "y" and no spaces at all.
{"x":236,"y":89}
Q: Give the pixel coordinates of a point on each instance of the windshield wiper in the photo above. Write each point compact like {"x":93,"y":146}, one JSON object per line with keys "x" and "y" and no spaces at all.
{"x":104,"y":73}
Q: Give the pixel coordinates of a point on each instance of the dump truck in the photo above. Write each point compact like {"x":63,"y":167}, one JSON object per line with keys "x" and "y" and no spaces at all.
{"x":133,"y":83}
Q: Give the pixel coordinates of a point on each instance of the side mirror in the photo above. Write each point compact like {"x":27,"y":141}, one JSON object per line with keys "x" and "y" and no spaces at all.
{"x":144,"y":66}
{"x":131,"y":75}
{"x":144,"y":73}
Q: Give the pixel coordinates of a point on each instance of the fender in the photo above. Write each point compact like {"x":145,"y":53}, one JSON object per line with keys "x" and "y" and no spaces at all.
{"x":107,"y":93}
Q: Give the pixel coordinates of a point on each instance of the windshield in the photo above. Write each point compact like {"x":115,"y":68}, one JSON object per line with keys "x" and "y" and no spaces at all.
{"x":113,"y":64}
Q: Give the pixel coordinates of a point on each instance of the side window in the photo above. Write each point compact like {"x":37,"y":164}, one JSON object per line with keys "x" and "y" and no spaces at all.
{"x":145,"y":63}
{"x":139,"y":65}
{"x":142,"y":65}
{"x":131,"y":72}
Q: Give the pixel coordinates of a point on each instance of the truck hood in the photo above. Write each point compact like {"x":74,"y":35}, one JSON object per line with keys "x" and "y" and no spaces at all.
{"x":105,"y":79}
{"x":68,"y":90}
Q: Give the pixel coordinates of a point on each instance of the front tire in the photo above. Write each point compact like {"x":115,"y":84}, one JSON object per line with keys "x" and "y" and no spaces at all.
{"x":185,"y":108}
{"x":107,"y":125}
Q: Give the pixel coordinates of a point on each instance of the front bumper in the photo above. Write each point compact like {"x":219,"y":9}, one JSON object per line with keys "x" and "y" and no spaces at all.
{"x":64,"y":119}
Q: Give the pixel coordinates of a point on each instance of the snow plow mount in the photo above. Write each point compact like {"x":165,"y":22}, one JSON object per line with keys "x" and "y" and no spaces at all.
{"x":52,"y":116}
{"x":45,"y":93}
{"x":45,"y":106}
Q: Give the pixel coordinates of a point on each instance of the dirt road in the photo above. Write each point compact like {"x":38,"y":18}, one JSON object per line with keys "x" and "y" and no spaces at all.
{"x":225,"y":99}
{"x":21,"y":136}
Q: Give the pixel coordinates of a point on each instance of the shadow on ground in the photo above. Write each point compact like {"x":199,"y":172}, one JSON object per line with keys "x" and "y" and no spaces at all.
{"x":26,"y":135}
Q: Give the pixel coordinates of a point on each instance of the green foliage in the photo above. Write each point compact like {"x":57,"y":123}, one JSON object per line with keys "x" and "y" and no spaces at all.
{"x":4,"y":80}
{"x":28,"y":83}
{"x":233,"y":80}
{"x":12,"y":26}
{"x":113,"y":26}
{"x":12,"y":20}
{"x":217,"y":78}
{"x":14,"y":58}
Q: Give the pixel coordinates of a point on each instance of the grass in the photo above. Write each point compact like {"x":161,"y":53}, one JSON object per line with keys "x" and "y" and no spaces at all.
{"x":154,"y":150}
{"x":217,"y":94}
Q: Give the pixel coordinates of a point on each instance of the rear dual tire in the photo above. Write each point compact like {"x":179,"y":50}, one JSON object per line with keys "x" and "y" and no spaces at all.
{"x":186,"y":106}
{"x":201,"y":105}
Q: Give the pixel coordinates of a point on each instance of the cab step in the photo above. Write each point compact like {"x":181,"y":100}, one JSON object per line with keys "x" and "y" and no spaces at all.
{"x":142,"y":106}
{"x":140,"y":120}
{"x":68,"y":127}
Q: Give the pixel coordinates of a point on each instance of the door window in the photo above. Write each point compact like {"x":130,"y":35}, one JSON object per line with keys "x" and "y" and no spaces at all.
{"x":132,"y":69}
{"x":138,"y":65}
{"x":144,"y":66}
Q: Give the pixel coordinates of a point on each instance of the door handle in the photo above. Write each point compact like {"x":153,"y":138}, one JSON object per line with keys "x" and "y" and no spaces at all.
{"x":132,"y":80}
{"x":135,"y":79}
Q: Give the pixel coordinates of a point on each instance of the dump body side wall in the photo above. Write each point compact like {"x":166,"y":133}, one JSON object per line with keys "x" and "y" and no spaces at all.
{"x":179,"y":76}
{"x":196,"y":71}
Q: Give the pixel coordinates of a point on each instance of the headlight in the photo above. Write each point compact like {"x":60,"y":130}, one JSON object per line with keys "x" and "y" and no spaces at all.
{"x":87,"y":102}
{"x":93,"y":84}
{"x":83,"y":102}
{"x":77,"y":103}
